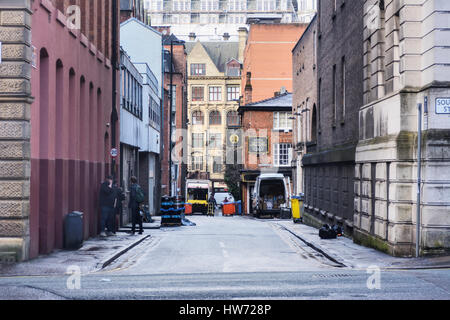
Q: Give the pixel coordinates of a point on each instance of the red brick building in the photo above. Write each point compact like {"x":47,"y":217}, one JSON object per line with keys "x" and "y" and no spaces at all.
{"x":268,"y":59}
{"x":178,"y":80}
{"x":74,"y":123}
{"x":267,"y":141}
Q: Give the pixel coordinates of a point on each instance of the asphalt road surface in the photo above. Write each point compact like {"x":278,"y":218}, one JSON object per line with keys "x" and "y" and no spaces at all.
{"x":229,"y":258}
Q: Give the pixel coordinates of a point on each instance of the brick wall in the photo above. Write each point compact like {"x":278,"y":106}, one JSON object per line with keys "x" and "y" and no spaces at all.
{"x":259,"y":123}
{"x":179,"y":80}
{"x":329,"y":166}
{"x":267,"y":56}
{"x":304,"y":100}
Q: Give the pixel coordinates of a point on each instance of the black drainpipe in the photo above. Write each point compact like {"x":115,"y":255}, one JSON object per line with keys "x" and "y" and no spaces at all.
{"x":114,"y":63}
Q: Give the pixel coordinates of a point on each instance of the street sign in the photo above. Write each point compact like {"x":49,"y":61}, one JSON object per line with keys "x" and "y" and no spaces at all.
{"x":443,"y":106}
{"x":258,"y":145}
{"x":114,"y":153}
{"x":234,"y":139}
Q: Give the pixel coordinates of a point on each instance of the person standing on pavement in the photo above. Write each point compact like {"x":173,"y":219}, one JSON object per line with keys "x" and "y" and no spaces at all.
{"x":119,"y":197}
{"x":212,"y":204}
{"x":107,"y":200}
{"x":135,"y":200}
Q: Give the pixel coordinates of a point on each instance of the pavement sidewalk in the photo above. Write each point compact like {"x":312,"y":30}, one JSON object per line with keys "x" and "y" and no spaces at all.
{"x":352,"y":255}
{"x":95,"y":254}
{"x":156,"y":224}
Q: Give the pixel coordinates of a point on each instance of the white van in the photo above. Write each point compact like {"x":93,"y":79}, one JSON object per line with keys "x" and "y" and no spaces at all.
{"x":272,"y":195}
{"x":197,"y":194}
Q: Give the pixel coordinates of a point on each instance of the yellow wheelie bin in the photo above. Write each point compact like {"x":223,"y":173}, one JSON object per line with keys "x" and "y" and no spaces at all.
{"x":297,"y":208}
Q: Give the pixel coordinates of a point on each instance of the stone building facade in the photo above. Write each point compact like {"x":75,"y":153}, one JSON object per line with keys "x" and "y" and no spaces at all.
{"x":219,"y":12}
{"x":213,"y":100}
{"x":329,"y":164}
{"x":304,"y":100}
{"x":406,"y":62}
{"x":15,"y":152}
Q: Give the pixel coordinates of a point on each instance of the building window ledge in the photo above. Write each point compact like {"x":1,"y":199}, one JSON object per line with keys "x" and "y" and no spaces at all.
{"x":100,"y":56}
{"x":73,"y":32}
{"x":92,"y":49}
{"x":47,"y":5}
{"x":84,"y":40}
{"x":61,"y":18}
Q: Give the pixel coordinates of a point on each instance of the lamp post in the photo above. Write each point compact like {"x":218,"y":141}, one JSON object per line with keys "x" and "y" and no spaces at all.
{"x":114,"y":63}
{"x":419,"y":178}
{"x":170,"y":116}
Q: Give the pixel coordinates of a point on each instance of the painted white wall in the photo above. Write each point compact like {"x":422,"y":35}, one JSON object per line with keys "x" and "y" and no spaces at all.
{"x":144,"y":45}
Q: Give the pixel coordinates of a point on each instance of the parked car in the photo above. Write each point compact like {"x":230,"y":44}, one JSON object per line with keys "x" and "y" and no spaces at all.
{"x":272,"y":195}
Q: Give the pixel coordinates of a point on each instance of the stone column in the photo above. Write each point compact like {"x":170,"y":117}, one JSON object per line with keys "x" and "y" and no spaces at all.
{"x":15,"y":101}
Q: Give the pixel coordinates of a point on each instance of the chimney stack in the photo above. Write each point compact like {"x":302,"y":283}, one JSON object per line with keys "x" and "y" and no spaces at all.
{"x":243,"y":34}
{"x":248,"y":89}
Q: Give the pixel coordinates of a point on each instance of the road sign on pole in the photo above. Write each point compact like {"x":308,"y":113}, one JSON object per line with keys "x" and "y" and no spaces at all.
{"x":114,"y":153}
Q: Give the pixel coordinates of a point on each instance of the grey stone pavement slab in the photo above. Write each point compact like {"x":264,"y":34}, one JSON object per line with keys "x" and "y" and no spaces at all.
{"x":92,"y":256}
{"x":156,"y":224}
{"x":352,"y":255}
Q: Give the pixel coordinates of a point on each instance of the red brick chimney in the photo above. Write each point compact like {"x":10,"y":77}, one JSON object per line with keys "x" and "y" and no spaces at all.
{"x":248,"y":89}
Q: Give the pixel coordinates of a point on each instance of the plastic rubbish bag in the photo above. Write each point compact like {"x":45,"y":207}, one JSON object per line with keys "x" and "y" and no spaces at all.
{"x":327,"y":232}
{"x":187,"y":223}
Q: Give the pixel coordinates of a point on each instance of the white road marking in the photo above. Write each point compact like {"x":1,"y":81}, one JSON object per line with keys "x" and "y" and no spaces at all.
{"x":225,"y":254}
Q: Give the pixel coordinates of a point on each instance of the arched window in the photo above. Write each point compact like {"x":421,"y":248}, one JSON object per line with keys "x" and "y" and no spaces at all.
{"x":44,"y":101}
{"x":233,"y":119}
{"x":60,"y":109}
{"x":82,"y":138}
{"x":215,"y":119}
{"x":314,"y":125}
{"x":197,"y":117}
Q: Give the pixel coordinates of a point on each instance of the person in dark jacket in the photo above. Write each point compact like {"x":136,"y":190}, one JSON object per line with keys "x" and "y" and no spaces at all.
{"x":134,"y":207}
{"x":212,"y":204}
{"x":107,"y":201}
{"x":119,"y":197}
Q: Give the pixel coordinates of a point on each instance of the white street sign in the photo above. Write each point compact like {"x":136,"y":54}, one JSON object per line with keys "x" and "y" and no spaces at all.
{"x":114,"y":153}
{"x":443,"y":106}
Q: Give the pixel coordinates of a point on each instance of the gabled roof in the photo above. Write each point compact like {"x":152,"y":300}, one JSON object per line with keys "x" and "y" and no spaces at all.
{"x":140,"y":23}
{"x":219,"y":52}
{"x":167,"y":39}
{"x":281,"y":101}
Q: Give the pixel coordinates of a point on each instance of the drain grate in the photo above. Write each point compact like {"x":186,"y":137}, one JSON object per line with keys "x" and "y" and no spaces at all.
{"x":333,"y":275}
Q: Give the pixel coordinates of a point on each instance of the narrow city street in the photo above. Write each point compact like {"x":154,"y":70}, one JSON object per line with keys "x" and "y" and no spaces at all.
{"x":228,"y":258}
